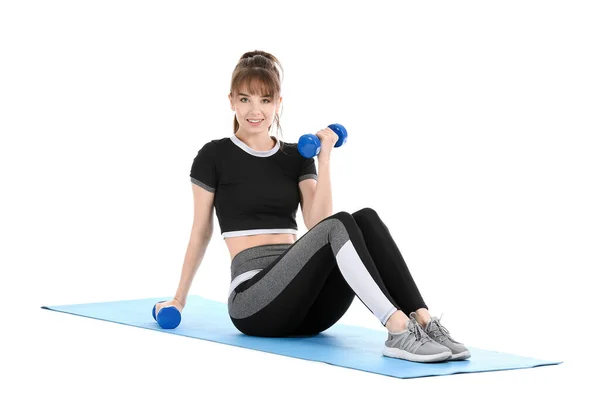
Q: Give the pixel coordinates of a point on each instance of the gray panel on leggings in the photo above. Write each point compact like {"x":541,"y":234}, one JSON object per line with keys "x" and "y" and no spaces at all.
{"x":247,"y":303}
{"x":256,"y":257}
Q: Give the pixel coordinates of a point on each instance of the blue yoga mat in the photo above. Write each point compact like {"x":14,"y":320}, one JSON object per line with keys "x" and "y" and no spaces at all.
{"x":341,"y":345}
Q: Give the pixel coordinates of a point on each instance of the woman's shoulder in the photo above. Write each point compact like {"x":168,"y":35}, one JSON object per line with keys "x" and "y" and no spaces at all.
{"x":214,"y":144}
{"x":220,"y":141}
{"x":290,"y":148}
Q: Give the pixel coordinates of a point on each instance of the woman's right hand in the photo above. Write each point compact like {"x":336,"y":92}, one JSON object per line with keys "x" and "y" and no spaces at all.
{"x":172,"y":302}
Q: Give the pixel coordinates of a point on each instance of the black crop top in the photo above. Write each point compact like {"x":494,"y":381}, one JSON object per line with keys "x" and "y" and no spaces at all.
{"x":256,"y":192}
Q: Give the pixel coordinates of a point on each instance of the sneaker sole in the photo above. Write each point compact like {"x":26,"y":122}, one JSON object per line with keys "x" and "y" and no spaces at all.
{"x":461,"y":356}
{"x":402,"y":354}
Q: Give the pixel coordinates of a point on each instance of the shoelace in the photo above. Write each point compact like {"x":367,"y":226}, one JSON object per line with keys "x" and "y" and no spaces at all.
{"x":438,"y":329}
{"x":415,"y":328}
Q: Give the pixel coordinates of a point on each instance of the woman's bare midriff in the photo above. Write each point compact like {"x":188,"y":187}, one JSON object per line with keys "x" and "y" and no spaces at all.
{"x":237,"y":244}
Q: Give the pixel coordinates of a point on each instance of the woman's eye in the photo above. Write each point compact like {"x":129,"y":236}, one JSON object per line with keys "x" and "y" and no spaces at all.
{"x":244,"y":98}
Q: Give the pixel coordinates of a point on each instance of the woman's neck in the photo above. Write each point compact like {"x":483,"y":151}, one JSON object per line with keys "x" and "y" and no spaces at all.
{"x":260,"y":143}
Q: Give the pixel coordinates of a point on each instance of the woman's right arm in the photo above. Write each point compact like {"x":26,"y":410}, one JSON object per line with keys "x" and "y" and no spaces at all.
{"x":202,"y":230}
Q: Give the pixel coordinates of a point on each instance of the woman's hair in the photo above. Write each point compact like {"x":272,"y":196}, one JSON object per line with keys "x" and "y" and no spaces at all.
{"x":257,"y":71}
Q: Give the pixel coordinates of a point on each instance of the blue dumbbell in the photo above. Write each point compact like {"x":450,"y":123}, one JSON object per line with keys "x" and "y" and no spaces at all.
{"x":309,"y":145}
{"x":167,"y":318}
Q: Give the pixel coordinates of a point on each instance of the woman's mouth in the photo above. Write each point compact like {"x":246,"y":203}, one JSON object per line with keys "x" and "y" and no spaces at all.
{"x":255,"y":122}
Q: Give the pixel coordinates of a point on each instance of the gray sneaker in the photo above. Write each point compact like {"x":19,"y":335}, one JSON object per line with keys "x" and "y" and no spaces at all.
{"x":441,"y":335}
{"x":414,"y":344}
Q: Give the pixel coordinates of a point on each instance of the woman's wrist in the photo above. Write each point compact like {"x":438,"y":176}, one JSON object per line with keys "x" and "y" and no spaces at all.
{"x":324,"y":160}
{"x":180,"y":302}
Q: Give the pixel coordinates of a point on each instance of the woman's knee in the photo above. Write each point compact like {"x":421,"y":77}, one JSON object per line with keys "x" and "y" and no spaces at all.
{"x":346,"y":218}
{"x":340,"y":228}
{"x":366,"y":212}
{"x":341,"y":214}
{"x":343,"y":217}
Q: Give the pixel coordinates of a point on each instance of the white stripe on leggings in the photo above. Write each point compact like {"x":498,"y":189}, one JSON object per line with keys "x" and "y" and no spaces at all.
{"x":242,"y":277}
{"x":359,"y":279}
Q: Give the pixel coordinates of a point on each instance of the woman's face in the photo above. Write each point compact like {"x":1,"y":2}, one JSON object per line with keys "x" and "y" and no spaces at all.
{"x":249,"y":107}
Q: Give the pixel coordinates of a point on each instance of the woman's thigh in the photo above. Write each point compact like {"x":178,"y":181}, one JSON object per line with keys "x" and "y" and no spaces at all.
{"x":277,"y":300}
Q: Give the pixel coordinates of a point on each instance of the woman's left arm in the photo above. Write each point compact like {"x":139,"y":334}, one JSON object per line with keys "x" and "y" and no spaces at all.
{"x":322,"y":202}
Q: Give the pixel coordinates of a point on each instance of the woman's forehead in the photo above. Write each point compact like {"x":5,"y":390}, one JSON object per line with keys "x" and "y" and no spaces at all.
{"x":254,"y":88}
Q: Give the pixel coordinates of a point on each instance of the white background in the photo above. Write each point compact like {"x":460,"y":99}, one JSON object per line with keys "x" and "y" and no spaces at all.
{"x":472,"y":132}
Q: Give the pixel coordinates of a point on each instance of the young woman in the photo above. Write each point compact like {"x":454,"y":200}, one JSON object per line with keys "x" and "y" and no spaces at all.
{"x":280,"y":285}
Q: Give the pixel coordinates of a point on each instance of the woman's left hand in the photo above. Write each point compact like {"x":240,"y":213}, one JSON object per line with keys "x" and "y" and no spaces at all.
{"x":328,"y":139}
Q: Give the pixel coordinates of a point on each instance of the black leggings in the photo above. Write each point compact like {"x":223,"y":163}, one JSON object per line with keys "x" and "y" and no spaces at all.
{"x":305,"y":287}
